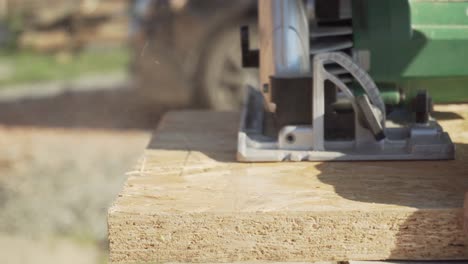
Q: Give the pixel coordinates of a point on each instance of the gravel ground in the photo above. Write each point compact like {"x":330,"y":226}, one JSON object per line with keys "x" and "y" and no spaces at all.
{"x":62,"y":181}
{"x":19,"y":250}
{"x":63,"y":160}
{"x":59,"y":183}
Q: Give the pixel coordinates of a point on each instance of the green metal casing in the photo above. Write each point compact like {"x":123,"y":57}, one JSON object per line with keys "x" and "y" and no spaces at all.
{"x":415,"y":44}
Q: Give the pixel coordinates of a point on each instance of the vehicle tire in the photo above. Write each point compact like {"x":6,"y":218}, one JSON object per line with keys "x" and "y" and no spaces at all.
{"x":222,"y":79}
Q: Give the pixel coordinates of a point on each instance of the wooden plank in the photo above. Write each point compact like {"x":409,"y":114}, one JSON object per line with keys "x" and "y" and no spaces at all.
{"x":110,"y":32}
{"x":46,"y":41}
{"x":103,"y":8}
{"x":188,"y":200}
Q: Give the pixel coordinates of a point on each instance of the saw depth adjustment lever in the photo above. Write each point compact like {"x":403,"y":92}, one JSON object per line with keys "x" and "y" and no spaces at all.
{"x":369,"y":108}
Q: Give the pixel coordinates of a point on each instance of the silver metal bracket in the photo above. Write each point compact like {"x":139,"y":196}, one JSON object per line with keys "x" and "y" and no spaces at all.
{"x":307,"y":143}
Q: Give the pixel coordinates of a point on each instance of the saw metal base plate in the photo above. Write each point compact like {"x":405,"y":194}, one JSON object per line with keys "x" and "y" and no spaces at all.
{"x":417,"y":142}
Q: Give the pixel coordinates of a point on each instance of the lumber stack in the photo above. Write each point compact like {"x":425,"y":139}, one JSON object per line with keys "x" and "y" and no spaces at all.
{"x":188,"y":200}
{"x":53,"y":25}
{"x":114,"y":25}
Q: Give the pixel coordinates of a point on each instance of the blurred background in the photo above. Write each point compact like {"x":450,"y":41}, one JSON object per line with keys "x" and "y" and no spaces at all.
{"x":82,"y":85}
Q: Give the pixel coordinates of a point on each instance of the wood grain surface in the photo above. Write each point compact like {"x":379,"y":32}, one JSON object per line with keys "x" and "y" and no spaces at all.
{"x":188,"y":200}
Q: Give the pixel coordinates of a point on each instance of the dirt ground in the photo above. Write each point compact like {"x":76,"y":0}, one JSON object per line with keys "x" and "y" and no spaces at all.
{"x":63,"y":160}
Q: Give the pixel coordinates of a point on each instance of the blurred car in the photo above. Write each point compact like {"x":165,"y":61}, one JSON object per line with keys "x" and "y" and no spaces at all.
{"x":187,"y":52}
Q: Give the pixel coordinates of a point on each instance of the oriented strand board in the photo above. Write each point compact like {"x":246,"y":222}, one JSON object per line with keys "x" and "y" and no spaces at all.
{"x":188,"y":200}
